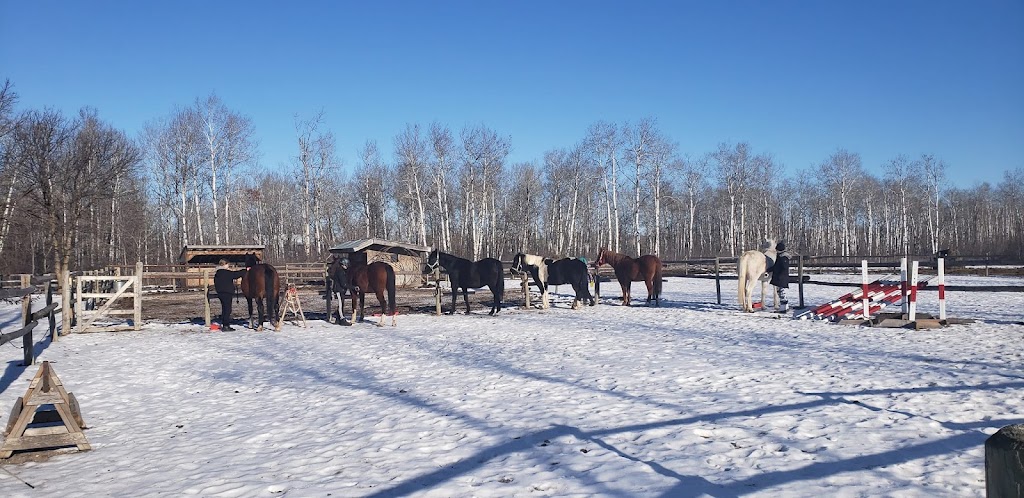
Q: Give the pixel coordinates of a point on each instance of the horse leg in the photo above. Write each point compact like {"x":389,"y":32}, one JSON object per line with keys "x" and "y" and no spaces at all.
{"x":465,"y":297}
{"x":354,"y":298}
{"x":248,"y":300}
{"x":362,"y":306}
{"x":260,"y":309}
{"x":626,"y":287}
{"x":383,"y":307}
{"x":650,"y":292}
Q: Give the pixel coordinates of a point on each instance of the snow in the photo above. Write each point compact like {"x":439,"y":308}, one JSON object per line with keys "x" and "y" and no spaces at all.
{"x":690,"y":399}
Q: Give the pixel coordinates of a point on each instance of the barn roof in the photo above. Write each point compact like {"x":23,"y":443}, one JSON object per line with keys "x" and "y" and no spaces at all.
{"x":380,"y":245}
{"x":199,"y":254}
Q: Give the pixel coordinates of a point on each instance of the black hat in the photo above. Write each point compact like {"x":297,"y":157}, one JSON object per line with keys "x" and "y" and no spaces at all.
{"x":781,"y":246}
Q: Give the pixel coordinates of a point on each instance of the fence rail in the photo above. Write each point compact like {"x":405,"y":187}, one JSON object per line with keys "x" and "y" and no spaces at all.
{"x":30,"y":319}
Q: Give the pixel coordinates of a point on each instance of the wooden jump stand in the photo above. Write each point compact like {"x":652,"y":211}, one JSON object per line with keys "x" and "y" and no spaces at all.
{"x":293,"y":305}
{"x":31,"y":427}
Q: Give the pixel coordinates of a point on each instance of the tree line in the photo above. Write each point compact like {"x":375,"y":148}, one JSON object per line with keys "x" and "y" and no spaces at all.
{"x":75,"y":192}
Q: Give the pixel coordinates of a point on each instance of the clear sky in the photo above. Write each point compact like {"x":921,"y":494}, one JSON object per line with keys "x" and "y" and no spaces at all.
{"x":794,"y":78}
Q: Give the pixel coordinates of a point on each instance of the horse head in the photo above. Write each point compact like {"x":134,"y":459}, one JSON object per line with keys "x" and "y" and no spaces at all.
{"x":600,"y":258}
{"x":768,"y":244}
{"x":251,"y":260}
{"x":517,"y":263}
{"x":433,"y":259}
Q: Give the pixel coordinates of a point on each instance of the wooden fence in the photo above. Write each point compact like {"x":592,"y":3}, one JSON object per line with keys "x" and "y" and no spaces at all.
{"x":30,"y":319}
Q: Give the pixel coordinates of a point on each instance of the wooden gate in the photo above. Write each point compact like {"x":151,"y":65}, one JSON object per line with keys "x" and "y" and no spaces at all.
{"x":127,"y":286}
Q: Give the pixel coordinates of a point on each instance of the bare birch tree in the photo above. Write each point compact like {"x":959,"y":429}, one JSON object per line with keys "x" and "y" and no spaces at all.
{"x":606,"y":142}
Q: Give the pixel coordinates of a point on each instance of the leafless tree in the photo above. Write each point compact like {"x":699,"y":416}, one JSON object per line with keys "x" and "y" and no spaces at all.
{"x":411,"y":153}
{"x":373,"y":194}
{"x":69,"y":166}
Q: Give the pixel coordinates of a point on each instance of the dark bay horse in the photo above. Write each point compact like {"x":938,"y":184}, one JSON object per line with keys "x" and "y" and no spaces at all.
{"x":261,"y":282}
{"x":377,"y":277}
{"x":646,"y":268}
{"x":465,"y":274}
{"x":548,"y":272}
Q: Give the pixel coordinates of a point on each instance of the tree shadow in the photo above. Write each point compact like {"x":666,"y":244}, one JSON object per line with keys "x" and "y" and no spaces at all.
{"x":16,"y":368}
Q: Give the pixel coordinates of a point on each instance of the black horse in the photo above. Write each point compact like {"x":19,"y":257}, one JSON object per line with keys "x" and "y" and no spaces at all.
{"x":465,"y":274}
{"x":548,"y":272}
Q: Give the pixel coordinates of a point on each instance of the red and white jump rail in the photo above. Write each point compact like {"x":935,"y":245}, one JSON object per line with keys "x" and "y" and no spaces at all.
{"x":874,"y":296}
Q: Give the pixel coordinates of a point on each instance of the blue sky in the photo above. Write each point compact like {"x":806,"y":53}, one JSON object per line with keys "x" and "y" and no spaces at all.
{"x":797,"y":79}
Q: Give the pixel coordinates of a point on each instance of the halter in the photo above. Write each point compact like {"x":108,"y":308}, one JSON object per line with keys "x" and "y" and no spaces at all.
{"x":517,"y":265}
{"x":436,"y":263}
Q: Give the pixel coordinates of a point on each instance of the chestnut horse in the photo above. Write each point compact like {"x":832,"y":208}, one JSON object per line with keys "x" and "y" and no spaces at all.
{"x":261,"y":282}
{"x":646,"y":268}
{"x":376,"y":277}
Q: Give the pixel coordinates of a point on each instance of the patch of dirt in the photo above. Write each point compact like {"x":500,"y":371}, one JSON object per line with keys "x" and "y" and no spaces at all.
{"x":187,"y":307}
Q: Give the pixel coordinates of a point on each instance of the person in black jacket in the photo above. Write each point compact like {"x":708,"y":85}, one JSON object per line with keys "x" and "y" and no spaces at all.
{"x":224,"y":283}
{"x":780,"y":275}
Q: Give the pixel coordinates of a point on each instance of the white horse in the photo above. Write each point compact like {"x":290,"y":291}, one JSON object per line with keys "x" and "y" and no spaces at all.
{"x":519,"y":261}
{"x":751,"y":268}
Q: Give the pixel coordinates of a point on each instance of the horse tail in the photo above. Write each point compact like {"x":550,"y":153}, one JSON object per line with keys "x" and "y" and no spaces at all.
{"x":391,"y":289}
{"x":271,"y":283}
{"x":657,"y":283}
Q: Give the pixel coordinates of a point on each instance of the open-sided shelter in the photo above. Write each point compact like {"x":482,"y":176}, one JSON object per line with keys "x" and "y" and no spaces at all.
{"x":407,"y":259}
{"x":196,"y":258}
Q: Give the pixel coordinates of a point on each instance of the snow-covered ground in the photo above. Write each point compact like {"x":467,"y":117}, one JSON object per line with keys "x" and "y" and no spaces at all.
{"x":690,"y":399}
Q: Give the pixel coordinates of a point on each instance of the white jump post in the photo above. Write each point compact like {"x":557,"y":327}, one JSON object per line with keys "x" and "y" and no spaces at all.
{"x":864,"y":288}
{"x":903,"y":284}
{"x":913,"y":292}
{"x":942,"y":288}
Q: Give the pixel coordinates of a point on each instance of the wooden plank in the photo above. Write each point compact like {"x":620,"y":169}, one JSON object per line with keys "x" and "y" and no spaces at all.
{"x":45,"y":441}
{"x":112,"y":312}
{"x":15,"y":413}
{"x":45,"y":312}
{"x":13,"y":293}
{"x":927,"y":323}
{"x":45,"y":431}
{"x":40,"y":399}
{"x":106,"y":295}
{"x":112,"y":328}
{"x":106,"y":278}
{"x":10,"y":336}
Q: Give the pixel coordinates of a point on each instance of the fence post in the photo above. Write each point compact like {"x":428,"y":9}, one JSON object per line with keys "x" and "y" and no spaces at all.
{"x":51,"y":316}
{"x":718,"y":282}
{"x":206,"y":297}
{"x":138,"y":295}
{"x":1004,"y":462}
{"x":437,"y":291}
{"x":800,"y":276}
{"x":79,"y":302}
{"x":66,"y":306}
{"x":864,"y":289}
{"x":328,"y":296}
{"x":26,"y":317}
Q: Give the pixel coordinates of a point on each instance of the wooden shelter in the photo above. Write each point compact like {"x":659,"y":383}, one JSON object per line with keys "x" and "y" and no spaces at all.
{"x":197,"y":258}
{"x":407,"y":259}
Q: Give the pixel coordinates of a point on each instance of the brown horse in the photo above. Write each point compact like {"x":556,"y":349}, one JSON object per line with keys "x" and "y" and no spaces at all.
{"x":376,"y":277}
{"x":646,"y":268}
{"x":261,"y":282}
